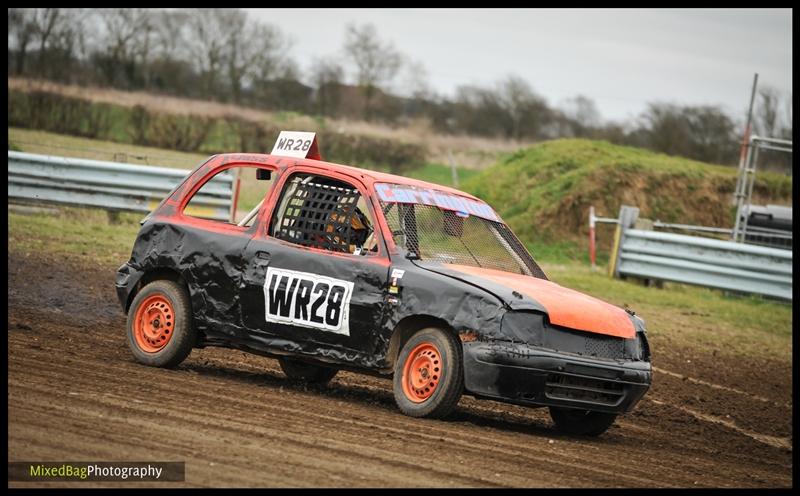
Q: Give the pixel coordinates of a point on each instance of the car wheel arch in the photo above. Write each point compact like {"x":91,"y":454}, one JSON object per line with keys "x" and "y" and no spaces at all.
{"x":155,"y":274}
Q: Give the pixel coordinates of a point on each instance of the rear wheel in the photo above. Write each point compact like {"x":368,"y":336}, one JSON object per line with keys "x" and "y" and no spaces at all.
{"x":428,"y":375}
{"x":306,"y":372}
{"x":160,"y":331}
{"x":581,"y":422}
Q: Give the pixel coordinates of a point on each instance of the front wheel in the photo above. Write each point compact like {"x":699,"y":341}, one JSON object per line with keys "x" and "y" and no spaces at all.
{"x":581,"y":422}
{"x":160,"y":331}
{"x":428,"y":375}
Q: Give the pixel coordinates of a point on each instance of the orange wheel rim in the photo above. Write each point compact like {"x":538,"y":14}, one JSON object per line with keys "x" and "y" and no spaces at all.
{"x":154,"y":323}
{"x":422,"y":372}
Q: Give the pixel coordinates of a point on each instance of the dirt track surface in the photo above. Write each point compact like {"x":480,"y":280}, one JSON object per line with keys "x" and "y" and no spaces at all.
{"x":75,"y":393}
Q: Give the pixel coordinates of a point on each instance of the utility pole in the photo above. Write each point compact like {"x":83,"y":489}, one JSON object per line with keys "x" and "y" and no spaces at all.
{"x":744,"y":172}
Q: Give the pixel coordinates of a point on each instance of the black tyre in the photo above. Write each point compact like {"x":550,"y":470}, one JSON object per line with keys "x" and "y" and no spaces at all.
{"x":306,"y":372}
{"x":581,"y":422}
{"x":160,"y":330}
{"x":428,"y":375}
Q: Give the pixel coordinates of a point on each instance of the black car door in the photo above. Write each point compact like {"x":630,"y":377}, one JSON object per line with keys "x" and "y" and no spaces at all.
{"x":316,"y":274}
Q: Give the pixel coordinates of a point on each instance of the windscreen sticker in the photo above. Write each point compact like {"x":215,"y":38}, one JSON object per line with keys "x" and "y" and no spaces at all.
{"x":395,"y":193}
{"x":307,"y":300}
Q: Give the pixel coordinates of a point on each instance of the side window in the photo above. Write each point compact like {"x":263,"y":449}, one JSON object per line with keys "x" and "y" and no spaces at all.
{"x":324,"y":213}
{"x":215,"y":199}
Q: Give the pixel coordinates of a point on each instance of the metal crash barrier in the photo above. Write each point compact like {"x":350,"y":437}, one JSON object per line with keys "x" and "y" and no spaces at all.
{"x":706,"y":262}
{"x":110,"y":185}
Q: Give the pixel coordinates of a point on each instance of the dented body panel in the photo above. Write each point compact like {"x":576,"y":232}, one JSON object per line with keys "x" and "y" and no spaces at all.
{"x":565,"y":307}
{"x":525,"y":339}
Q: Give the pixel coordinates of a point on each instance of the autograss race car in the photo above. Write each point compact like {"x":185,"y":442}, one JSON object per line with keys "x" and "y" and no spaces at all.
{"x":344,"y":268}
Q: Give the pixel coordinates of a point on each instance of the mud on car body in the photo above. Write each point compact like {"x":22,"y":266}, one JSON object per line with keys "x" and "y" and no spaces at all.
{"x":344,"y":268}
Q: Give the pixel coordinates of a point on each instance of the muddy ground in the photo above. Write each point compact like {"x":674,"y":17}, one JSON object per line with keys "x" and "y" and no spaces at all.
{"x":75,"y":393}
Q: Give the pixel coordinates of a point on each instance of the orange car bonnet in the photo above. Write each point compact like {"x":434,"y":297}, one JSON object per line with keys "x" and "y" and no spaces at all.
{"x":565,"y":307}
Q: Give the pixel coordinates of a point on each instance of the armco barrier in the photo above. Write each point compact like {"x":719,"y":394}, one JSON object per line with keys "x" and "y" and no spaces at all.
{"x":706,"y":262}
{"x":110,"y":185}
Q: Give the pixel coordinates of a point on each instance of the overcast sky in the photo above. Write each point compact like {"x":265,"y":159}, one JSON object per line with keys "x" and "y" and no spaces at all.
{"x":622,"y":59}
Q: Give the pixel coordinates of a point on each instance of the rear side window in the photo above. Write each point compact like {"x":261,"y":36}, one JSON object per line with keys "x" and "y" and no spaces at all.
{"x":218,"y":199}
{"x":324,"y":213}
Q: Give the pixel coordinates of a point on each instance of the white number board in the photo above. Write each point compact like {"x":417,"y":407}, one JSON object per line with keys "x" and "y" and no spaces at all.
{"x":307,"y":300}
{"x":296,"y":144}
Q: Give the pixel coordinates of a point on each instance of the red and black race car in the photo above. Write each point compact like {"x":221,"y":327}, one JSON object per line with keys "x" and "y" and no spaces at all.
{"x":344,"y":268}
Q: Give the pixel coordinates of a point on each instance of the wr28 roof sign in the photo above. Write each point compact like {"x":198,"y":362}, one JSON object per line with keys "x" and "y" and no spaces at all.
{"x":395,"y":193}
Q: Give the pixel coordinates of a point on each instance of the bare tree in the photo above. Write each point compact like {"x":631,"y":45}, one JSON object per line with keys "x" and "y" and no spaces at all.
{"x":578,"y":117}
{"x":786,"y":130}
{"x":20,"y":35}
{"x":145,"y":43}
{"x":773,"y":119}
{"x":266,"y":57}
{"x":170,"y":34}
{"x":479,"y":110}
{"x":376,"y":63}
{"x":523,"y":107}
{"x":208,"y":35}
{"x":703,"y":133}
{"x":45,"y":22}
{"x":225,"y":42}
{"x":583,"y":110}
{"x":69,"y":42}
{"x":417,"y":87}
{"x":240,"y":52}
{"x":766,"y":112}
{"x":417,"y":80}
{"x":53,"y":33}
{"x":326,"y":77}
{"x":127,"y":40}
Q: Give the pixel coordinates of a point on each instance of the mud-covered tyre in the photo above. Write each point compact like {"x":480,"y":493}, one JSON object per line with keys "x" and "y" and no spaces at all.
{"x":160,"y":330}
{"x":581,"y":422}
{"x":306,"y":372}
{"x":428,"y":374}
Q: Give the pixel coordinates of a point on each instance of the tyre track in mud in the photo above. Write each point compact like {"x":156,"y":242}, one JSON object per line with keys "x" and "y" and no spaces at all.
{"x":612,"y":475}
{"x":299,"y":454}
{"x":237,"y":421}
{"x":682,"y":377}
{"x":423,"y":441}
{"x":776,"y":442}
{"x":286,"y":433}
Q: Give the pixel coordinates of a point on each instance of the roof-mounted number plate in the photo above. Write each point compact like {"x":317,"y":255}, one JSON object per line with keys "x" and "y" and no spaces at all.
{"x":297,"y":144}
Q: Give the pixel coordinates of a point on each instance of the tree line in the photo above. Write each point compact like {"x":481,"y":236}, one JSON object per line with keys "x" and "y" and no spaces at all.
{"x":225,"y":55}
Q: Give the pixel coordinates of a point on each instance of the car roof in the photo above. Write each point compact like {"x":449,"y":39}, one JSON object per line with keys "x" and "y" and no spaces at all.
{"x":355,"y":172}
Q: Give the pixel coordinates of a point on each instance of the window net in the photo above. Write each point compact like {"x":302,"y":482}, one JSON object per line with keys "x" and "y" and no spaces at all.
{"x":431,"y":233}
{"x":321,"y":215}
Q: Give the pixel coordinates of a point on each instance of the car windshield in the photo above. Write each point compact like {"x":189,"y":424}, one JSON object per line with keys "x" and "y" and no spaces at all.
{"x":443,"y":227}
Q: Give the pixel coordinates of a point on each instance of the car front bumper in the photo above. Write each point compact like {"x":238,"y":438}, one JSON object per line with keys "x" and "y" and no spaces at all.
{"x":523,"y":374}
